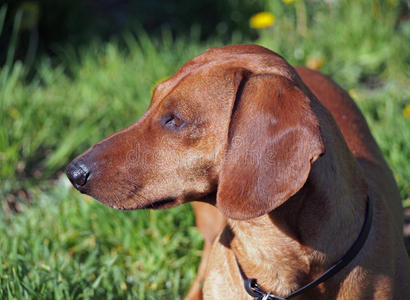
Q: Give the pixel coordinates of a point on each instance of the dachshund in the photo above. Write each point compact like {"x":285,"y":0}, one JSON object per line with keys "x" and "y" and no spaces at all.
{"x":293,"y":196}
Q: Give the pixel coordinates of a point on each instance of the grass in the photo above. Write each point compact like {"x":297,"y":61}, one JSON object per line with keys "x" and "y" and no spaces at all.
{"x":68,"y":246}
{"x":64,"y":246}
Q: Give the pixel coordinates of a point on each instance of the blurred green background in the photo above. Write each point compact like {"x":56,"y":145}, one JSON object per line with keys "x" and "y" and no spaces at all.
{"x":73,"y":72}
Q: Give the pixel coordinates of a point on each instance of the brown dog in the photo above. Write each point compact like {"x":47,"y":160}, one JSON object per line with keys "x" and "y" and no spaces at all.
{"x":239,"y":128}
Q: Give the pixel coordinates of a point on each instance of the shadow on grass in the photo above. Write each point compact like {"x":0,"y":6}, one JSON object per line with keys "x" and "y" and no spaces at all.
{"x":45,"y":26}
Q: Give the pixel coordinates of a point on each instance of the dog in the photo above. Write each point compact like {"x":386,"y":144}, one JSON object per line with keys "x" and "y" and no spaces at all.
{"x":293,"y":196}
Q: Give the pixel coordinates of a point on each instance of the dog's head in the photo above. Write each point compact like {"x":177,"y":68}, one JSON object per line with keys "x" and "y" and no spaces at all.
{"x":235,"y":122}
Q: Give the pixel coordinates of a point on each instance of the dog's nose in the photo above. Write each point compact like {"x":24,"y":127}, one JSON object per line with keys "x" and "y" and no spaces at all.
{"x":78,"y":173}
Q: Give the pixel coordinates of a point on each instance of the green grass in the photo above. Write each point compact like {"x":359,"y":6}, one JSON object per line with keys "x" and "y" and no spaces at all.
{"x":64,"y":246}
{"x":71,"y":247}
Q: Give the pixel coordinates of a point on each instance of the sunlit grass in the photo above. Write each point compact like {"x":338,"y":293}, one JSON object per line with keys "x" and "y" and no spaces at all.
{"x":68,"y":246}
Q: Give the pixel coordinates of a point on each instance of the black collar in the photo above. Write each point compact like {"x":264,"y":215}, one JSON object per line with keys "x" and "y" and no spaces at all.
{"x":258,"y":293}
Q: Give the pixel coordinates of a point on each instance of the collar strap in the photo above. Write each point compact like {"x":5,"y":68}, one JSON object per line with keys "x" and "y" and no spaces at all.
{"x":258,"y":293}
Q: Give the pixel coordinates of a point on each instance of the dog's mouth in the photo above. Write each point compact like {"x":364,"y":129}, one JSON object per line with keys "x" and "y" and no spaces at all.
{"x":159,"y":204}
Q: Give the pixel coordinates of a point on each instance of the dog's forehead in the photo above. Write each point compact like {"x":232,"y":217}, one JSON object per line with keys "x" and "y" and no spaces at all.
{"x":254,"y":58}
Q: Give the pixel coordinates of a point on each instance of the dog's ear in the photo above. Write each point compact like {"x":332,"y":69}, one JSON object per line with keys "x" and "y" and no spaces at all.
{"x":273,"y":139}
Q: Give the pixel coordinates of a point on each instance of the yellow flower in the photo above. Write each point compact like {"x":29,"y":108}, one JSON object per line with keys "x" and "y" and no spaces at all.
{"x":262,"y":20}
{"x":406,"y":111}
{"x":315,"y":63}
{"x":288,"y":1}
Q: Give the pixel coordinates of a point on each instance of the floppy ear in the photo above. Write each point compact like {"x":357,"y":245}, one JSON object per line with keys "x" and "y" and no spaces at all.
{"x":273,"y":139}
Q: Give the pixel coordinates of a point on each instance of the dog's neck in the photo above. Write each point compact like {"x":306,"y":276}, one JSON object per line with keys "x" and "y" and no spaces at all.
{"x":296,"y":242}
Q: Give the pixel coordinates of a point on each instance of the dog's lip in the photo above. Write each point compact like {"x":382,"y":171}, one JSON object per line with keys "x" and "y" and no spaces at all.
{"x":162,"y":203}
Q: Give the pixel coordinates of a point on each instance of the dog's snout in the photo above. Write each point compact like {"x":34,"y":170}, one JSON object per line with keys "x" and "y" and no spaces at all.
{"x":78,"y":173}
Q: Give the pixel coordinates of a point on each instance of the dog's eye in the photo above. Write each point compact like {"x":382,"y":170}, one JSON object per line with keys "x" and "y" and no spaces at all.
{"x":172,"y":121}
